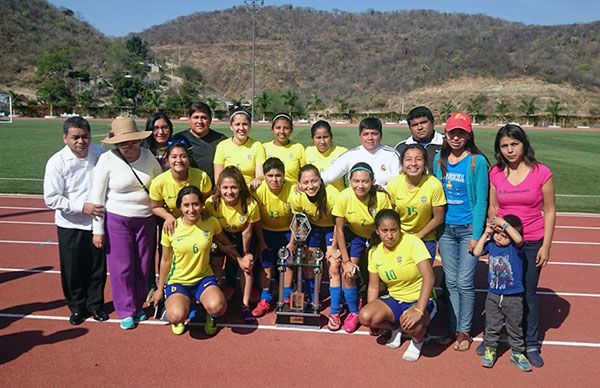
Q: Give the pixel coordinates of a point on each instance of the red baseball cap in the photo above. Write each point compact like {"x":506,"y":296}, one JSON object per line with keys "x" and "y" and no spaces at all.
{"x":459,"y":120}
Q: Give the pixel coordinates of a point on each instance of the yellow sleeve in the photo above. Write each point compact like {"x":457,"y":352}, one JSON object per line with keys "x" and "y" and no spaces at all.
{"x":302,"y":155}
{"x":165,"y":238}
{"x":438,"y":198}
{"x":206,"y":187}
{"x":371,"y":267}
{"x":392,"y":186}
{"x":386,"y":203}
{"x":216,"y":226}
{"x":419,"y":251}
{"x":253,"y":212}
{"x":261,"y":155}
{"x":220,"y":152}
{"x":339,"y":207}
{"x":156,"y":188}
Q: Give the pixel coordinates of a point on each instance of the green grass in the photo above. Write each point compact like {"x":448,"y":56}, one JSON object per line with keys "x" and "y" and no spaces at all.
{"x":25,"y":146}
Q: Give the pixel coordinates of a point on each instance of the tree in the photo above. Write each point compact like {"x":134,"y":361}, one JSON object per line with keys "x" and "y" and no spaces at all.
{"x":553,"y":108}
{"x":528,"y":108}
{"x":315,"y":104}
{"x":290,"y":98}
{"x":152,"y":99}
{"x":85,"y":99}
{"x":262,"y":103}
{"x":475,"y":109}
{"x":188,"y":92}
{"x":502,"y":110}
{"x":138,"y":47}
{"x":447,"y":109}
{"x":212,"y":103}
{"x":53,"y":68}
{"x":189,"y":73}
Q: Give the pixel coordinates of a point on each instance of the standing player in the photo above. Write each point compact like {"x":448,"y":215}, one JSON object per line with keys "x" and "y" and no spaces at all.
{"x":324,"y":153}
{"x":291,"y":154}
{"x":67,"y":182}
{"x":273,"y":197}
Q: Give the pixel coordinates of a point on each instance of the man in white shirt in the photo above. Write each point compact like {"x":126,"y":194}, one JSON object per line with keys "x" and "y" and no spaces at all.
{"x":67,"y":184}
{"x":384,"y":161}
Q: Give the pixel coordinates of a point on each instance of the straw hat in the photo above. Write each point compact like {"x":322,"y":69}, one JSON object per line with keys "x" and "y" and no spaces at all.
{"x":124,"y":129}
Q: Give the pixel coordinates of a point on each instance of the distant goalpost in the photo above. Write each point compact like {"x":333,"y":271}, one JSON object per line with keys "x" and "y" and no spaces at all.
{"x":6,"y":108}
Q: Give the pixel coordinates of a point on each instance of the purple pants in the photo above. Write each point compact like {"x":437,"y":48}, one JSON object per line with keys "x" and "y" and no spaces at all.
{"x":130,"y":243}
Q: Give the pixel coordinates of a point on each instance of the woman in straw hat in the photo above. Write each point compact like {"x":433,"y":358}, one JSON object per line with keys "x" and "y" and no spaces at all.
{"x":128,"y":229}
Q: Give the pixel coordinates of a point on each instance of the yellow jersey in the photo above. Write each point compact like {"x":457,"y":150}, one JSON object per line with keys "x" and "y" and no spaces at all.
{"x":292,"y":156}
{"x":275,"y":210}
{"x":398,"y":268}
{"x":301,"y":204}
{"x":191,"y":250}
{"x":323,"y":161}
{"x":356,"y":213}
{"x":245,"y":157}
{"x":415,"y":206}
{"x":231,"y":218}
{"x":165,"y":187}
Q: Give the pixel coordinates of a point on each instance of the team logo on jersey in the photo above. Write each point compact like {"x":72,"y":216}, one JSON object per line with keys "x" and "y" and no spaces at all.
{"x":423,"y":199}
{"x":287,"y":206}
{"x":373,"y":212}
{"x":249,"y":157}
{"x":206,"y":234}
{"x":291,"y":155}
{"x":242,"y":218}
{"x":399,"y":259}
{"x":383,"y":167}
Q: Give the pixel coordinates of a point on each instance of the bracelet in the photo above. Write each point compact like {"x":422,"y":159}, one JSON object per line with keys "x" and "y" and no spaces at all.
{"x":417,"y":309}
{"x":505,"y":226}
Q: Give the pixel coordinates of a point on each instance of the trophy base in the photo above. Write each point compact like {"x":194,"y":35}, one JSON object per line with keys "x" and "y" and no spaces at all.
{"x":298,"y":319}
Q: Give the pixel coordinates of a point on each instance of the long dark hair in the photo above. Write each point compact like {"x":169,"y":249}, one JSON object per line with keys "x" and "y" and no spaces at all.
{"x":416,"y":147}
{"x":152,"y":145}
{"x":321,"y":197}
{"x":382,"y":215}
{"x":517,"y":133}
{"x":445,"y":151}
{"x":234,"y":173}
{"x":191,"y":189}
{"x":372,"y":194}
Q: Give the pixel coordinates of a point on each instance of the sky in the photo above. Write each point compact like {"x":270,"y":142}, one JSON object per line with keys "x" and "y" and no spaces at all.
{"x":119,"y":18}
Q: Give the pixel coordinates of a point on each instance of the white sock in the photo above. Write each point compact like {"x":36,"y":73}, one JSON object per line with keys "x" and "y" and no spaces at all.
{"x":395,"y":339}
{"x":413,"y":352}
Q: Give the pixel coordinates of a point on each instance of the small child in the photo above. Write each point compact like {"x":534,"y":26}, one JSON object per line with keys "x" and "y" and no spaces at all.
{"x":504,"y":303}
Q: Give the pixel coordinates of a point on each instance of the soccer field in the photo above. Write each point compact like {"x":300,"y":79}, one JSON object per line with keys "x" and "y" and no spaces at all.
{"x":25,"y":146}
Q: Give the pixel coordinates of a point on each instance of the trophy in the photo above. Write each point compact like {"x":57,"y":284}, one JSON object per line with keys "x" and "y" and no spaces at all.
{"x":299,"y":312}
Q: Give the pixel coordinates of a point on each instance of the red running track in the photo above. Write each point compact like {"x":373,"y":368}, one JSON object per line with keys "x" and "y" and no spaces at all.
{"x":40,"y":347}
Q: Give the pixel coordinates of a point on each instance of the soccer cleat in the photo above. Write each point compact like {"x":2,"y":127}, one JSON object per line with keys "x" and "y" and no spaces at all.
{"x":127,"y":323}
{"x":210,"y":325}
{"x":521,"y":362}
{"x":261,"y":309}
{"x":178,"y":328}
{"x":247,"y":315}
{"x":334,"y":323}
{"x":351,"y":323}
{"x":489,"y":357}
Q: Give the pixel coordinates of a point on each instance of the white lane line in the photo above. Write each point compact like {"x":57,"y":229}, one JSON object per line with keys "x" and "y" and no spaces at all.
{"x":29,"y":196}
{"x":578,"y":195}
{"x":28,"y":242}
{"x":26,"y":223}
{"x":23,"y":179}
{"x":578,"y":227}
{"x":576,"y":242}
{"x":49,"y":271}
{"x":24,"y":208}
{"x":269,"y":327}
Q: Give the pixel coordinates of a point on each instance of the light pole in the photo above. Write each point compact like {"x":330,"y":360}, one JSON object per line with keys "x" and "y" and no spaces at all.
{"x":254,"y":4}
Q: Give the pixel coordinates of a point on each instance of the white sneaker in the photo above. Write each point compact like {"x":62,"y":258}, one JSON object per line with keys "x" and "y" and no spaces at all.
{"x":413,"y":352}
{"x":395,"y":339}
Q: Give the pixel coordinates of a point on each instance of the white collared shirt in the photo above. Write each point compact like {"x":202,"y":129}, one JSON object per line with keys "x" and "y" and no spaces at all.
{"x":384,"y":161}
{"x":67,"y":184}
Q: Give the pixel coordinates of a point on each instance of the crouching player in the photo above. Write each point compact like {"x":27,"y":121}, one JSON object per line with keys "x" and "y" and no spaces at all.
{"x":403,"y":263}
{"x":185,"y":272}
{"x":273,"y":197}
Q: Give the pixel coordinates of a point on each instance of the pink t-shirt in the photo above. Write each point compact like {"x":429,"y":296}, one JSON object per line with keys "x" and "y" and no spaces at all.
{"x":523,"y":200}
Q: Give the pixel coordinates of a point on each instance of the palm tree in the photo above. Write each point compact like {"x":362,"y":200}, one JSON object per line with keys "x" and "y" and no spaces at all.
{"x":475,"y":108}
{"x":528,"y":108}
{"x":290,"y":98}
{"x":502,"y":110}
{"x":447,"y":110}
{"x":262,"y":103}
{"x":212,"y":103}
{"x":554,"y":109}
{"x":315,"y":104}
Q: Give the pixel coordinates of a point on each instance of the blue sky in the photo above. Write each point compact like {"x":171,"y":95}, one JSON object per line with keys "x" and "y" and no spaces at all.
{"x":118,"y":17}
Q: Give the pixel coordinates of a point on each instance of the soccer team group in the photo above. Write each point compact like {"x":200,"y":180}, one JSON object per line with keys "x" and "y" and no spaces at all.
{"x":215,"y":211}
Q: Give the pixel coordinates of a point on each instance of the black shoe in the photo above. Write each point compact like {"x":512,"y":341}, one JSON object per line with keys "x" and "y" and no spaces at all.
{"x":77,"y":318}
{"x":99,"y":315}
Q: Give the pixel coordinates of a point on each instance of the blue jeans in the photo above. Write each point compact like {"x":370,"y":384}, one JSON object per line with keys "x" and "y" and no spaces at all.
{"x":531,"y":312}
{"x":459,"y":270}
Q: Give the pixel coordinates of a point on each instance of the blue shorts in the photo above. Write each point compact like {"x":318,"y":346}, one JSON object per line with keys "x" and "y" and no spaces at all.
{"x":356,"y":244}
{"x":274,"y":240}
{"x":320,"y":234}
{"x":430,"y":245}
{"x":192,"y":291}
{"x":399,"y":307}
